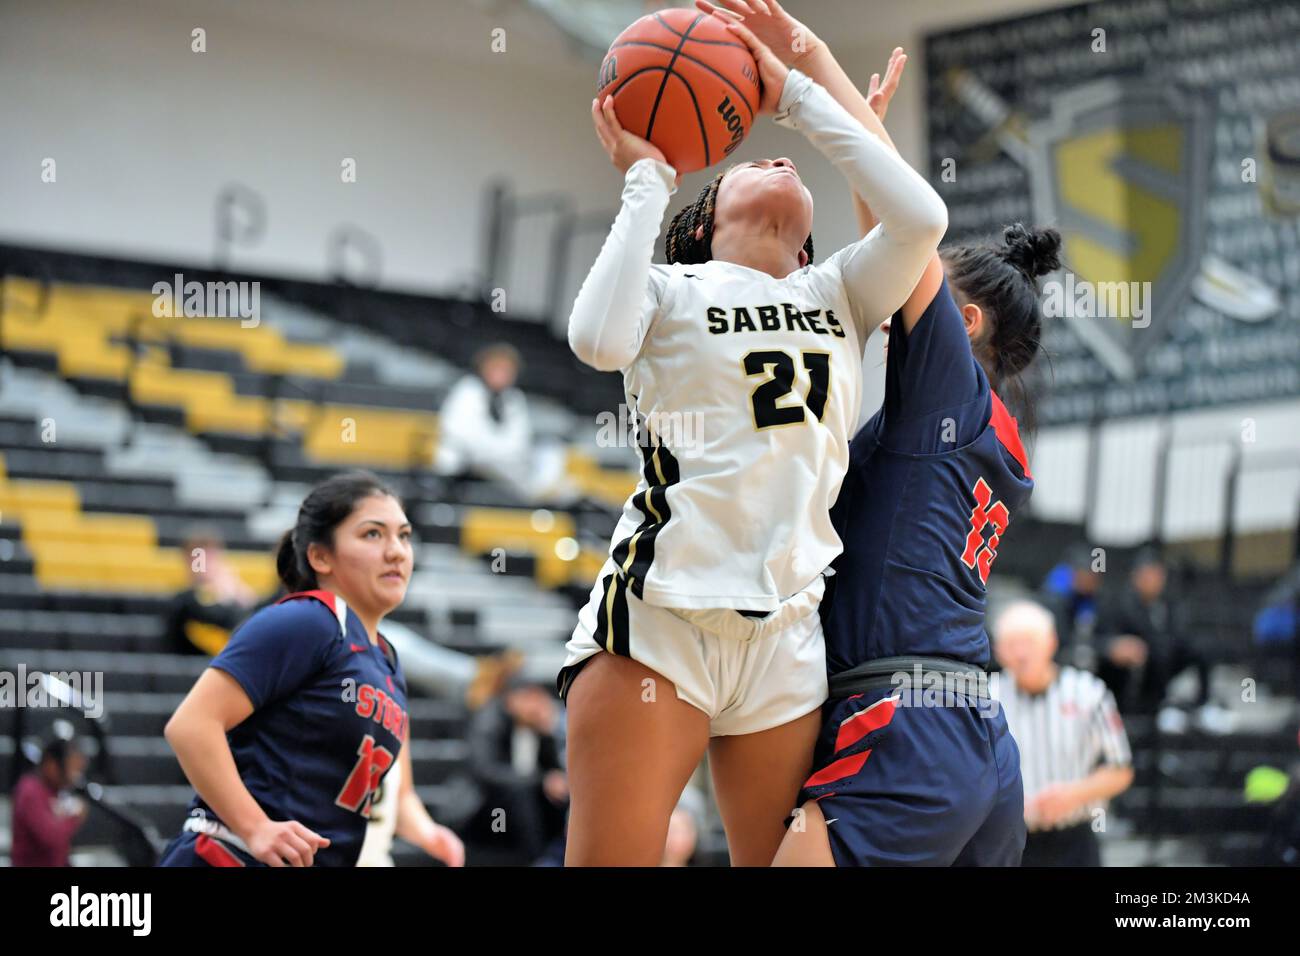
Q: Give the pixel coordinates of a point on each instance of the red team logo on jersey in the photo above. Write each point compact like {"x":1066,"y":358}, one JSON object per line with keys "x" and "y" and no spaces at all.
{"x":372,"y":761}
{"x":979,"y":555}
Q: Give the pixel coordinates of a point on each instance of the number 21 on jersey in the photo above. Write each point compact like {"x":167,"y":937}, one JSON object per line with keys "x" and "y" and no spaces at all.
{"x":779,"y":367}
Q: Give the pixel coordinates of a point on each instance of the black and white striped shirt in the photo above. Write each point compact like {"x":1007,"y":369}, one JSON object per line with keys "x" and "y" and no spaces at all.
{"x":1064,"y":733}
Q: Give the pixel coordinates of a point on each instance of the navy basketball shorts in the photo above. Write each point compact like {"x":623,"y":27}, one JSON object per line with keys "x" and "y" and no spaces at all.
{"x":199,"y":849}
{"x":918,"y":785}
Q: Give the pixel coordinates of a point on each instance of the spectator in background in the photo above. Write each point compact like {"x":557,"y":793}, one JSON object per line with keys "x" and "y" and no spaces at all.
{"x":1144,"y":641}
{"x":484,"y":429}
{"x":1070,"y":592}
{"x":517,"y":756}
{"x":1074,"y":754}
{"x":45,"y":814}
{"x":1277,"y":625}
{"x":200,"y":618}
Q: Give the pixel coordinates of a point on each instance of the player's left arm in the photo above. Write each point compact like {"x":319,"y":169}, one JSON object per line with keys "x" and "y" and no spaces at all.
{"x":414,"y":824}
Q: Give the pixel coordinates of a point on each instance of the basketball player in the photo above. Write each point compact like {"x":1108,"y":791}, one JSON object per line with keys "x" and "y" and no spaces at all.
{"x":289,"y":732}
{"x":700,"y":631}
{"x":933,"y":481}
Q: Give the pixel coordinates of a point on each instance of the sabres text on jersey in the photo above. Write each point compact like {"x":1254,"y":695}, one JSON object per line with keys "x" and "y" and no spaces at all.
{"x":774,"y":318}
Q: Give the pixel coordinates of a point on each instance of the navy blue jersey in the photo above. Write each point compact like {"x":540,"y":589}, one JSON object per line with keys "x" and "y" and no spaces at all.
{"x":329,"y":717}
{"x":934,"y":478}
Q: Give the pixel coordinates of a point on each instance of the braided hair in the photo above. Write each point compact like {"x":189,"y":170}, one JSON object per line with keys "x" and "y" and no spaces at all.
{"x":681,"y":246}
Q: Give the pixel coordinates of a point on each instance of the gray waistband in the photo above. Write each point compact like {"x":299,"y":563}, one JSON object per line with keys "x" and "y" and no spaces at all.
{"x":910,"y":671}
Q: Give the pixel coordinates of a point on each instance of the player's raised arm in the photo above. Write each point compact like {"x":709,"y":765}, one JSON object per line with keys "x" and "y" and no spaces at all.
{"x":798,"y":47}
{"x":870,"y":111}
{"x":879,"y":271}
{"x":617,"y":301}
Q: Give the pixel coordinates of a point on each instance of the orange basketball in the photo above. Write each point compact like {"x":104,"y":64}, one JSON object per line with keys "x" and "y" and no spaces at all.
{"x":685,"y":83}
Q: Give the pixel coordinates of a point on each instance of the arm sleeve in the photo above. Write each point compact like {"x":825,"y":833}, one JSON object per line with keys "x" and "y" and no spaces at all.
{"x":936,"y":396}
{"x":279,"y":649}
{"x":620,"y":296}
{"x":880,"y":270}
{"x":1108,"y":739}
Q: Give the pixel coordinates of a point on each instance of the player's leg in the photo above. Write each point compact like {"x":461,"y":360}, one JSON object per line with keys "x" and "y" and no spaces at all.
{"x":756,"y":780}
{"x":632,"y":746}
{"x":807,"y":842}
{"x":1000,"y":840}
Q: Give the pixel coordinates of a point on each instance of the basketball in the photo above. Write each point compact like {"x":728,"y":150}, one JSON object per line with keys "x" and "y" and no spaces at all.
{"x":680,"y":80}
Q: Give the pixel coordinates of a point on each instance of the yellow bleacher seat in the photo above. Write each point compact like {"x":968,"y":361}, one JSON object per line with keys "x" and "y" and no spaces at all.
{"x":83,"y":551}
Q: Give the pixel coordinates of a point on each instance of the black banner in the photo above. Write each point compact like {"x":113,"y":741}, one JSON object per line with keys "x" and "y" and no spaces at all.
{"x":1162,"y":137}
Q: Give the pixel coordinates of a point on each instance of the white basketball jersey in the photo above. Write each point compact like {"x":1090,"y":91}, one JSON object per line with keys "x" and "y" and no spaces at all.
{"x":744,"y":392}
{"x":377,"y":847}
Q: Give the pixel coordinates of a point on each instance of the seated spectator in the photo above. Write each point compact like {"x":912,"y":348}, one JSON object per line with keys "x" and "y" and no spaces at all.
{"x":517,"y":757}
{"x":1143,"y":639}
{"x":484,"y":429}
{"x":201,"y":617}
{"x":1074,"y":753}
{"x":1070,"y":592}
{"x":45,"y":814}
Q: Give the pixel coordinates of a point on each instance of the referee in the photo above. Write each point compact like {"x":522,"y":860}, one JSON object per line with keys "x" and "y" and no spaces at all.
{"x":1074,"y":754}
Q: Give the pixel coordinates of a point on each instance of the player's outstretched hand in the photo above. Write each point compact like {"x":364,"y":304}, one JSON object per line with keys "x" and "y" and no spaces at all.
{"x":879,"y":92}
{"x":772,"y":72}
{"x":789,"y":39}
{"x":285,"y":843}
{"x":623,"y":148}
{"x":442,"y":844}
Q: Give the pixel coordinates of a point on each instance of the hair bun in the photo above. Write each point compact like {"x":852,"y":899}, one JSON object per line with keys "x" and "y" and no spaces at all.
{"x":1035,"y":252}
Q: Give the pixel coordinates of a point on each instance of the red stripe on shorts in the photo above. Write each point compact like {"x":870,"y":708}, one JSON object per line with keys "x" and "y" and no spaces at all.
{"x":214,"y":853}
{"x":864,"y":722}
{"x":838,"y":769}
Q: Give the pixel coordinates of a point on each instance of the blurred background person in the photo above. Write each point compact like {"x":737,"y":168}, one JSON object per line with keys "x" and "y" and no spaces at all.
{"x":46,"y":814}
{"x":1074,"y":754}
{"x":486,"y":432}
{"x":517,"y":757}
{"x":1071,"y":592}
{"x":1145,"y":641}
{"x":200,"y":618}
